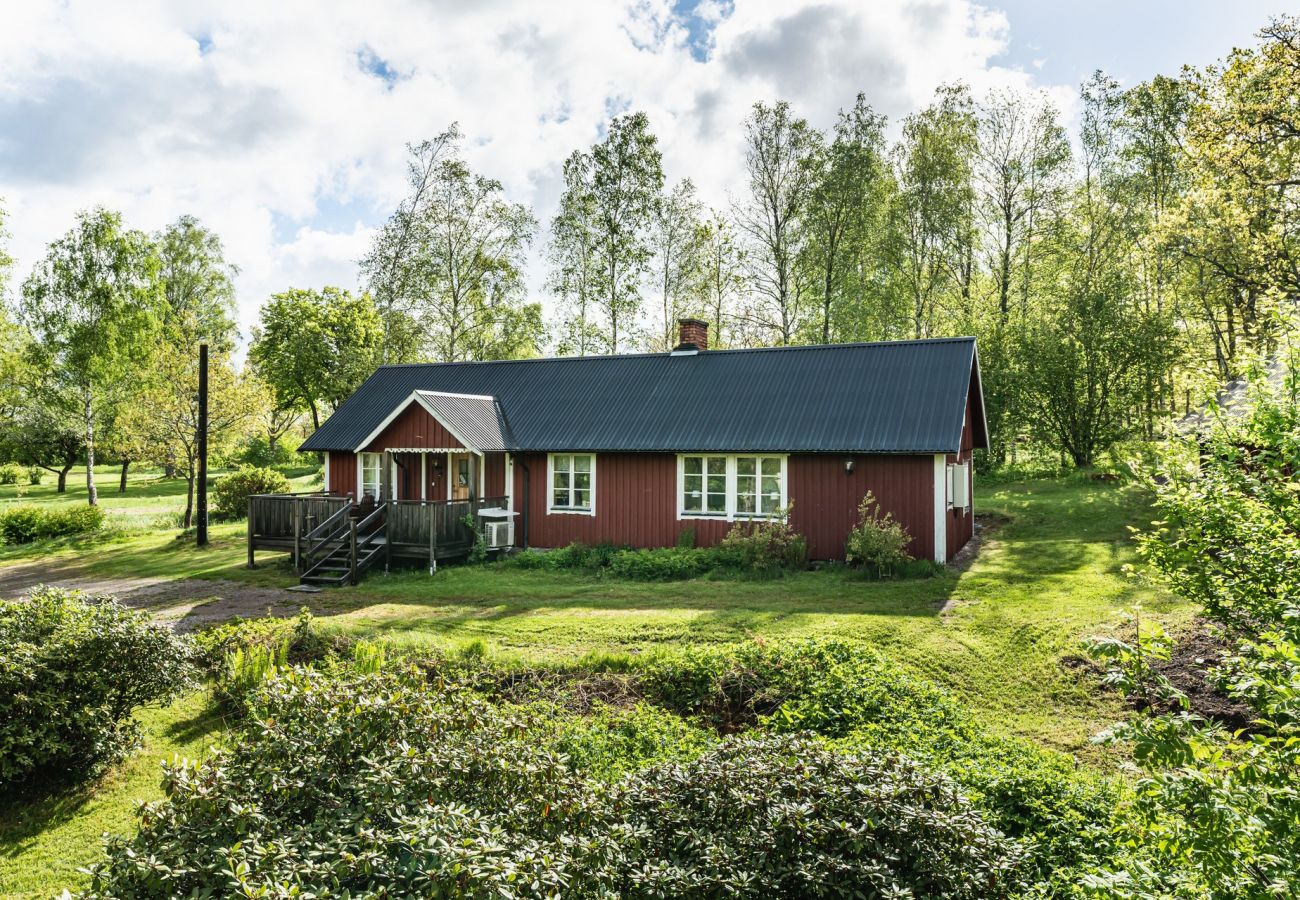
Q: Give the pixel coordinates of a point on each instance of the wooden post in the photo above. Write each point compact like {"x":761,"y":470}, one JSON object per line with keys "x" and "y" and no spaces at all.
{"x":352,"y":550}
{"x":251,"y":524}
{"x":433,"y":538}
{"x":201,"y":532}
{"x":297,"y":535}
{"x":388,"y":536}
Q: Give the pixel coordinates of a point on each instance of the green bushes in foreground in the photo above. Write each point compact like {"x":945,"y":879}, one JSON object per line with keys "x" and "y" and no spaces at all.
{"x":761,"y":549}
{"x":381,"y":785}
{"x":72,"y":670}
{"x":24,"y":524}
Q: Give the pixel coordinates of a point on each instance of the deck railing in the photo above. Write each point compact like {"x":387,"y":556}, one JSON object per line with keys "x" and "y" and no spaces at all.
{"x":311,"y":526}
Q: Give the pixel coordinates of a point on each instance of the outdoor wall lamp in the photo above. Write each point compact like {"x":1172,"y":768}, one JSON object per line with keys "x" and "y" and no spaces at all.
{"x":848,"y":466}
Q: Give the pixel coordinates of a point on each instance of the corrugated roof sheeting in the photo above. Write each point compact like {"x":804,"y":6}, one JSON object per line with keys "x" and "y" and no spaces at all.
{"x":897,"y":397}
{"x":476,"y":420}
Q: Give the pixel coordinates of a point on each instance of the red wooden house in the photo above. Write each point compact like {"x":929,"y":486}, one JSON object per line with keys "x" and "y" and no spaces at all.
{"x":633,"y":449}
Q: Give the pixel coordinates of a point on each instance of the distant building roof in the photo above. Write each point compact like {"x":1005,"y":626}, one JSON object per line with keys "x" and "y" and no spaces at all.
{"x":890,"y":397}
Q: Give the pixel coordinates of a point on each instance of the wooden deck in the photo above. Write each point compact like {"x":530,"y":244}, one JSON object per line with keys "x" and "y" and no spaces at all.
{"x":332,"y":540}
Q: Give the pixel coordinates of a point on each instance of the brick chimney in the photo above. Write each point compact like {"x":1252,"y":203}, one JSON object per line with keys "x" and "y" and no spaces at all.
{"x":694,"y":335}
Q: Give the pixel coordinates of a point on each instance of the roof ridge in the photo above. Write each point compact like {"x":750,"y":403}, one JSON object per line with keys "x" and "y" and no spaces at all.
{"x":664,"y":355}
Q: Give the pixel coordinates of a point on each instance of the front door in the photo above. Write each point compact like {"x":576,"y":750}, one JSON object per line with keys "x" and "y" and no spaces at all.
{"x":462,"y":473}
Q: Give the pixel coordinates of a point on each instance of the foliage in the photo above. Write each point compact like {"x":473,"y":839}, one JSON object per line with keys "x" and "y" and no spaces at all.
{"x":11,"y":473}
{"x":607,"y":741}
{"x":442,"y":793}
{"x":764,"y":547}
{"x":478,"y":550}
{"x":662,"y":563}
{"x":878,"y":542}
{"x":74,"y":669}
{"x":1218,"y":810}
{"x":314,"y":348}
{"x":34,"y":475}
{"x":260,"y":453}
{"x":230,"y":494}
{"x":602,"y":234}
{"x":246,"y":668}
{"x":93,"y":306}
{"x":24,"y":524}
{"x":162,"y":421}
{"x":199,"y":287}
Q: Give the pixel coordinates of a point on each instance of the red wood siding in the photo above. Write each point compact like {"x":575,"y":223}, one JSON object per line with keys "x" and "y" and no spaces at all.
{"x":343,"y":473}
{"x":826,"y":498}
{"x":636,"y":501}
{"x":414,"y":428}
{"x":494,"y":474}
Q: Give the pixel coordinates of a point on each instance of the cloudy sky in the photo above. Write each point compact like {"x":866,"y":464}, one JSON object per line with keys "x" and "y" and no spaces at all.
{"x":282,"y":125}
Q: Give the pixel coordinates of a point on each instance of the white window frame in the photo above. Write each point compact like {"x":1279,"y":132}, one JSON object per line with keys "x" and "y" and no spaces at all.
{"x":732,"y":515}
{"x":361,"y":475}
{"x":551,"y":508}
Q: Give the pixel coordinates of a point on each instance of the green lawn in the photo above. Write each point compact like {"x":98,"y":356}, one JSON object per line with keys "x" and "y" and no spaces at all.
{"x":996,"y":634}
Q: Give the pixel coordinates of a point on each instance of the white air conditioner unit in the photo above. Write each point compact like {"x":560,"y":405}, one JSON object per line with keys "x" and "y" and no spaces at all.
{"x":498,"y":534}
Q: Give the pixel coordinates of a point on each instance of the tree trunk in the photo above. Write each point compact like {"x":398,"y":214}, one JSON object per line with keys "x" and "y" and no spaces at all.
{"x":91,"y":495}
{"x":121,"y":485}
{"x":315,"y":417}
{"x":63,"y":479}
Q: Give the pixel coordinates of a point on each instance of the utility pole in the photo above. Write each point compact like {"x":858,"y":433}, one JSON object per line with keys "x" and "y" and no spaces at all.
{"x":202,"y":520}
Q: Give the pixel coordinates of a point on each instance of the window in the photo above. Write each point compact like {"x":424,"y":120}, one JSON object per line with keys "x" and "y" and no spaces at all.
{"x":704,"y":485}
{"x":369,"y":473}
{"x":730,"y":487}
{"x":573,"y":483}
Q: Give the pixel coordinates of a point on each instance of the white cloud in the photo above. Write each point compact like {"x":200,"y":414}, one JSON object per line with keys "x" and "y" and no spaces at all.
{"x":282,"y":125}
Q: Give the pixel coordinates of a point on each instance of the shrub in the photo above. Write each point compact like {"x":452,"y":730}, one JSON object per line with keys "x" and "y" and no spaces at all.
{"x":258,"y":452}
{"x":230,"y":494}
{"x":11,"y":473}
{"x":72,"y":671}
{"x":35,"y":475}
{"x":878,"y":542}
{"x":764,"y":548}
{"x":662,"y":564}
{"x":378,"y":786}
{"x":24,"y":524}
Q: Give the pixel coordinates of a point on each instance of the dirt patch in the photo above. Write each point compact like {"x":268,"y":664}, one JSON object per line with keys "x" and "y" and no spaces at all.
{"x":184,"y":605}
{"x":1193,"y":654}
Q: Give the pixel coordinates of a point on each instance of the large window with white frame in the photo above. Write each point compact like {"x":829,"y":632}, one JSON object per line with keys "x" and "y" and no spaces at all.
{"x":572,"y":480}
{"x":368,"y":466}
{"x":739,"y":486}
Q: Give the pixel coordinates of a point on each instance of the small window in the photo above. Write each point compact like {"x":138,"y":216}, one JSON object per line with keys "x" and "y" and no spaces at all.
{"x":370,"y":465}
{"x":573,"y":483}
{"x":704,"y":485}
{"x":758,"y":485}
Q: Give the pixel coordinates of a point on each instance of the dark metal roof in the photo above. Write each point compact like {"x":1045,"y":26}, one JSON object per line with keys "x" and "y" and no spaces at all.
{"x":474,"y":418}
{"x":894,"y":397}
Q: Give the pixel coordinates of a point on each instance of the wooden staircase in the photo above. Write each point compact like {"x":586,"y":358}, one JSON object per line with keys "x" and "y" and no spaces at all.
{"x":340,"y":549}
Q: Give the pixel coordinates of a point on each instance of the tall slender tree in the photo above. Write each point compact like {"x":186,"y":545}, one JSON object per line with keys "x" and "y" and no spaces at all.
{"x":779,"y":148}
{"x":94,"y":307}
{"x":677,"y":267}
{"x":723,"y":277}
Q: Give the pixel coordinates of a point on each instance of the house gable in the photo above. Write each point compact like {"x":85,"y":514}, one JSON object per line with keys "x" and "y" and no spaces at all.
{"x":412,"y":427}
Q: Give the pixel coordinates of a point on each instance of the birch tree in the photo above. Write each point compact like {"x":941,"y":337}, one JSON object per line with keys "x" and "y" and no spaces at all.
{"x":677,"y":268}
{"x":94,"y":307}
{"x":778,"y":148}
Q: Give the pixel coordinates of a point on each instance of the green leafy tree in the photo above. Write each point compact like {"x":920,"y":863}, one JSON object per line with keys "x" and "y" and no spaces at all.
{"x":1216,"y":810}
{"x":678,"y":265}
{"x":198,"y":285}
{"x":608,"y":207}
{"x":844,"y":213}
{"x":387,"y":269}
{"x":573,"y":260}
{"x":932,"y":215}
{"x":779,"y":149}
{"x":93,"y":307}
{"x":314,"y":348}
{"x":162,"y":421}
{"x":723,"y":278}
{"x":452,"y":256}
